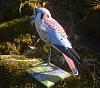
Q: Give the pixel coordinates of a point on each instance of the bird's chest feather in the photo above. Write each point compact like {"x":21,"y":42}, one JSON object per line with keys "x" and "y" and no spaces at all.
{"x":42,"y":31}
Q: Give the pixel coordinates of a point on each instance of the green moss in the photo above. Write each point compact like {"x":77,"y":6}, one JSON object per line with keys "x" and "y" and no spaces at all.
{"x":15,"y":36}
{"x":12,"y":71}
{"x":11,"y":25}
{"x":17,"y":46}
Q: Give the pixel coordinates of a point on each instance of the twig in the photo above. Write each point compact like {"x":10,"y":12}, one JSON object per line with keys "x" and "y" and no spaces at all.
{"x":36,"y":42}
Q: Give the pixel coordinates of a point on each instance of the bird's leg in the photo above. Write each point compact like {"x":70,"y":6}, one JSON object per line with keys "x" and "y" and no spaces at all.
{"x":49,"y":57}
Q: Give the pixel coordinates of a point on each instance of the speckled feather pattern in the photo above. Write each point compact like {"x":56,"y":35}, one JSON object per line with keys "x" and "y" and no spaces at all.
{"x":53,"y":33}
{"x":56,"y":26}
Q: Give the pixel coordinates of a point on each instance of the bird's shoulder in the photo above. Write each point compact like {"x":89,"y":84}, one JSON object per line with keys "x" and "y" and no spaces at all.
{"x":54,"y":25}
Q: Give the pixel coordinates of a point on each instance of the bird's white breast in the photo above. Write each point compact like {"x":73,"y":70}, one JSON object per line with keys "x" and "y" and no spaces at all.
{"x":42,"y":31}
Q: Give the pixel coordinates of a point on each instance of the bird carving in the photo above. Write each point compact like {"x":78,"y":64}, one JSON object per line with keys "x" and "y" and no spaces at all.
{"x":51,"y":32}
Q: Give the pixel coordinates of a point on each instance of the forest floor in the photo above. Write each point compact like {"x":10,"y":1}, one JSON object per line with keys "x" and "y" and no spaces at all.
{"x":13,"y":73}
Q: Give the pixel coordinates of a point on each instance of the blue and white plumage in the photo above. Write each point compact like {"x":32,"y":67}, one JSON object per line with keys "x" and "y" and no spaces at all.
{"x":51,"y":32}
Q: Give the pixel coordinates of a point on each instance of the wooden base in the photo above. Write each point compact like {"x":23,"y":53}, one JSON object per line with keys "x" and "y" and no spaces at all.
{"x":48,"y":75}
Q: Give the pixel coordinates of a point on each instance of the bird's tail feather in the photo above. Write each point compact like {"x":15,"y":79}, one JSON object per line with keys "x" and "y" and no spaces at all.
{"x":71,"y":65}
{"x":74,"y":52}
{"x":70,"y":52}
{"x":73,"y":55}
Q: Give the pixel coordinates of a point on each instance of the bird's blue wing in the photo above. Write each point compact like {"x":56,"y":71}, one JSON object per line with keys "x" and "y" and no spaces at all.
{"x":57,"y":39}
{"x":61,"y":44}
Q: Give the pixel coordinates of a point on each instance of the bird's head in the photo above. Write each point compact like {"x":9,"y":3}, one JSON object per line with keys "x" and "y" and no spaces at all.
{"x":42,"y":13}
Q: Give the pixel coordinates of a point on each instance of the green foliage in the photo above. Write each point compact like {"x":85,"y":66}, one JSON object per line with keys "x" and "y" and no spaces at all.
{"x":14,"y":28}
{"x":17,"y":46}
{"x":15,"y":36}
{"x":13,"y":71}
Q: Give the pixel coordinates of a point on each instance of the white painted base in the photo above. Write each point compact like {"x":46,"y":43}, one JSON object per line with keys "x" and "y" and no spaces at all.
{"x":48,"y":75}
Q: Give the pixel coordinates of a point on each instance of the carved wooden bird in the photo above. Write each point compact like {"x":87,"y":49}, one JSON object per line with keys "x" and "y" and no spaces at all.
{"x":51,"y":32}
